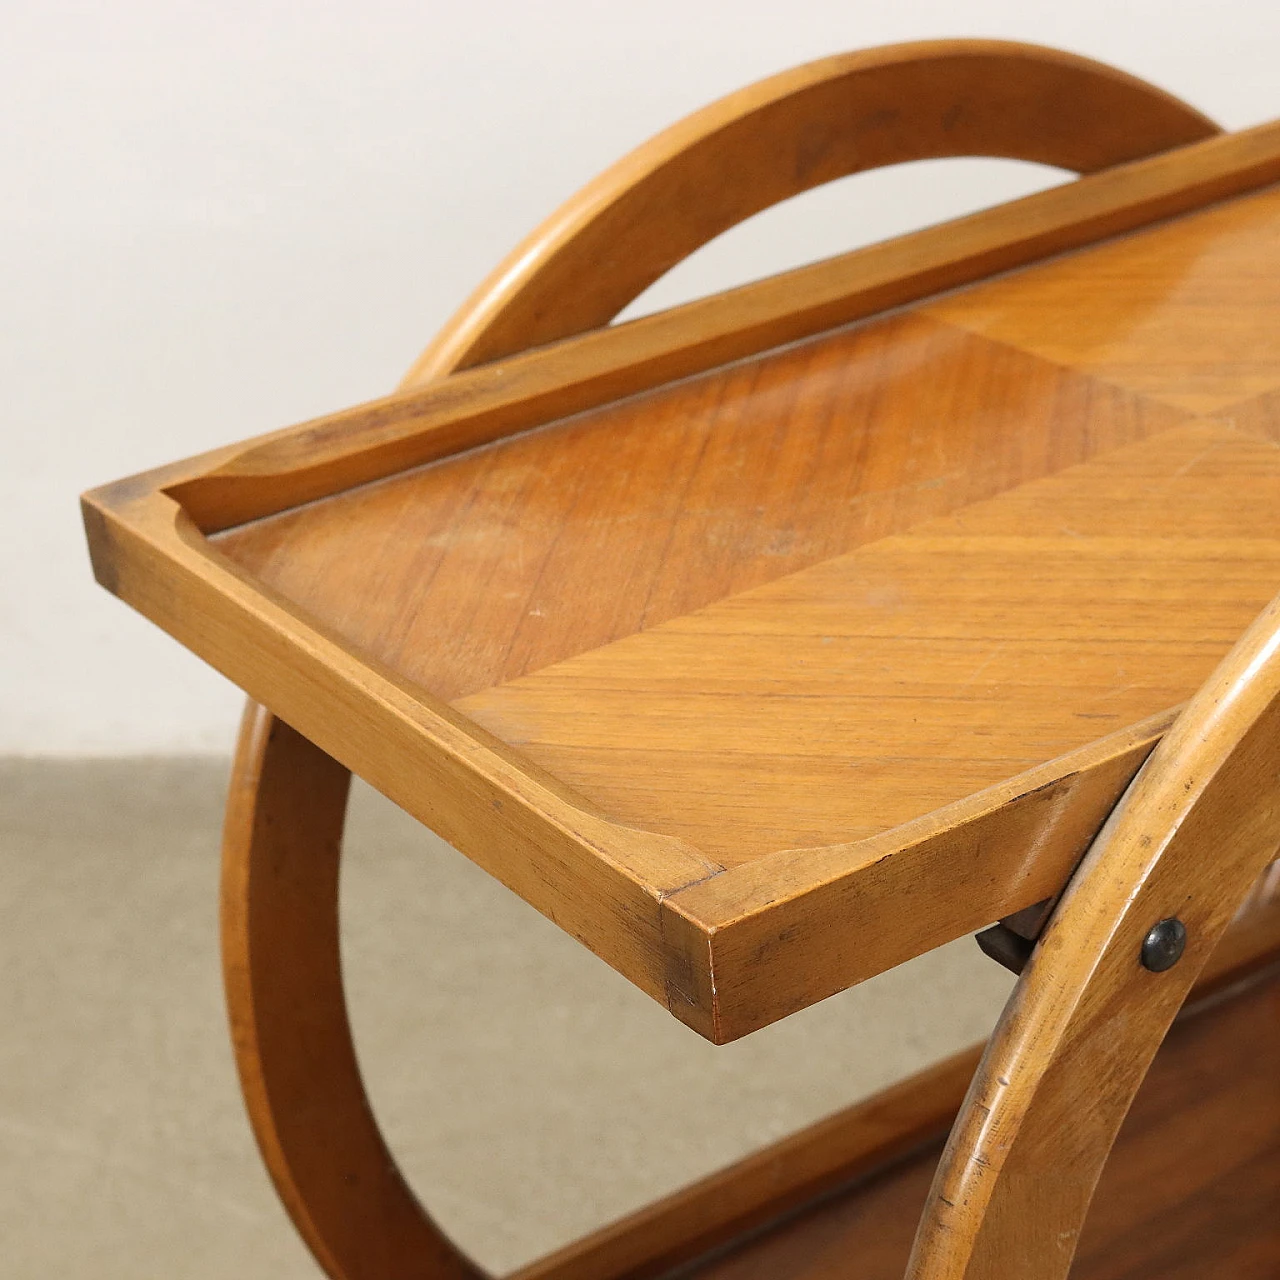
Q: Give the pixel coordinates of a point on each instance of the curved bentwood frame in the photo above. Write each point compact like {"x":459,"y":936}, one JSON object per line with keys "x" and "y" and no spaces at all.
{"x":1009,"y":1196}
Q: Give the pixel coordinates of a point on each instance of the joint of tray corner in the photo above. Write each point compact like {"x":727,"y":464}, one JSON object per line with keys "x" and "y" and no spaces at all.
{"x":664,"y":894}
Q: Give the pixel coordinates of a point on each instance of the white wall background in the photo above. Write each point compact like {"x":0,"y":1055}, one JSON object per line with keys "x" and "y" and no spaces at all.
{"x":216,"y":219}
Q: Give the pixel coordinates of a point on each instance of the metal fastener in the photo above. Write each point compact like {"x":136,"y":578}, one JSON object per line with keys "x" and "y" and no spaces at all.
{"x":1163,"y":946}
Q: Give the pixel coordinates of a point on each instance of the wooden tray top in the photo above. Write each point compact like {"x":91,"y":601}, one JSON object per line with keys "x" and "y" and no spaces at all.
{"x":762,"y":668}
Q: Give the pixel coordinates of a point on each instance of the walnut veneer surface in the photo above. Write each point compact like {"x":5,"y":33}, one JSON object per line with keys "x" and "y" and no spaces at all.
{"x":816,"y":594}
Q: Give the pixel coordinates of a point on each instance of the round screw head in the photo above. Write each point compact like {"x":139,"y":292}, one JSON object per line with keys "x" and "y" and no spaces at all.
{"x":1163,"y":946}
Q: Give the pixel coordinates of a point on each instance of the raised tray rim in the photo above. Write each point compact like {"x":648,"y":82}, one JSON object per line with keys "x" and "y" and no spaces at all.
{"x":653,"y":907}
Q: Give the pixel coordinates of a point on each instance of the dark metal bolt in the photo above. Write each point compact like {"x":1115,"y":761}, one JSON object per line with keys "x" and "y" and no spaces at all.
{"x":1163,"y":946}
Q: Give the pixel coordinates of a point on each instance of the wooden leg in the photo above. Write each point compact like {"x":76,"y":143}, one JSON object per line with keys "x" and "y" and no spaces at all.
{"x":314,"y":1125}
{"x":1188,"y":848}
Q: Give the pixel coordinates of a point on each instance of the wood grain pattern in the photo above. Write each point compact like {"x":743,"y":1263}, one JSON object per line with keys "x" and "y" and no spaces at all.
{"x":739,"y":636}
{"x":1199,"y":824}
{"x":1260,"y":415}
{"x":1187,"y":313}
{"x":509,"y":558}
{"x":864,"y":691}
{"x":712,"y":944}
{"x":621,"y":891}
{"x":317,"y":459}
{"x":1213,"y":1090}
{"x":734,"y":1203}
{"x":776,"y":1194}
{"x":601,"y":883}
{"x":293,"y":1045}
{"x":1212,"y":1094}
{"x":787,"y":134}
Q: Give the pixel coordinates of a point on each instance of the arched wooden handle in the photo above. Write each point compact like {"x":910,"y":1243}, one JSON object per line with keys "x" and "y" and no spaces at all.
{"x":787,"y":134}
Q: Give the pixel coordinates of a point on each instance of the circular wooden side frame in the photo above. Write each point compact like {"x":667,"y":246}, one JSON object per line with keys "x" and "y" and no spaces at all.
{"x":604,"y":247}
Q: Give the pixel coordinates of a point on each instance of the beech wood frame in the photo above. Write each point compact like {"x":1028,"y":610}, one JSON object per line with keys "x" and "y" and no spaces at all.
{"x":1210,"y":777}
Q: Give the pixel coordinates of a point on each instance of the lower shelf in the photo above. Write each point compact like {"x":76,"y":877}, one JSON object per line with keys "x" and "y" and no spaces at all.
{"x":1192,"y":1190}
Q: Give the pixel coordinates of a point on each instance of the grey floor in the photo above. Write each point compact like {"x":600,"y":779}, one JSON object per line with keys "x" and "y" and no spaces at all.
{"x":529,"y":1092}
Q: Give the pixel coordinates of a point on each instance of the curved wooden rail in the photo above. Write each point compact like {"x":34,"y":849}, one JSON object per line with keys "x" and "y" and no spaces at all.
{"x":285,"y":817}
{"x":1198,"y":826}
{"x":289,"y":1025}
{"x":787,"y":134}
